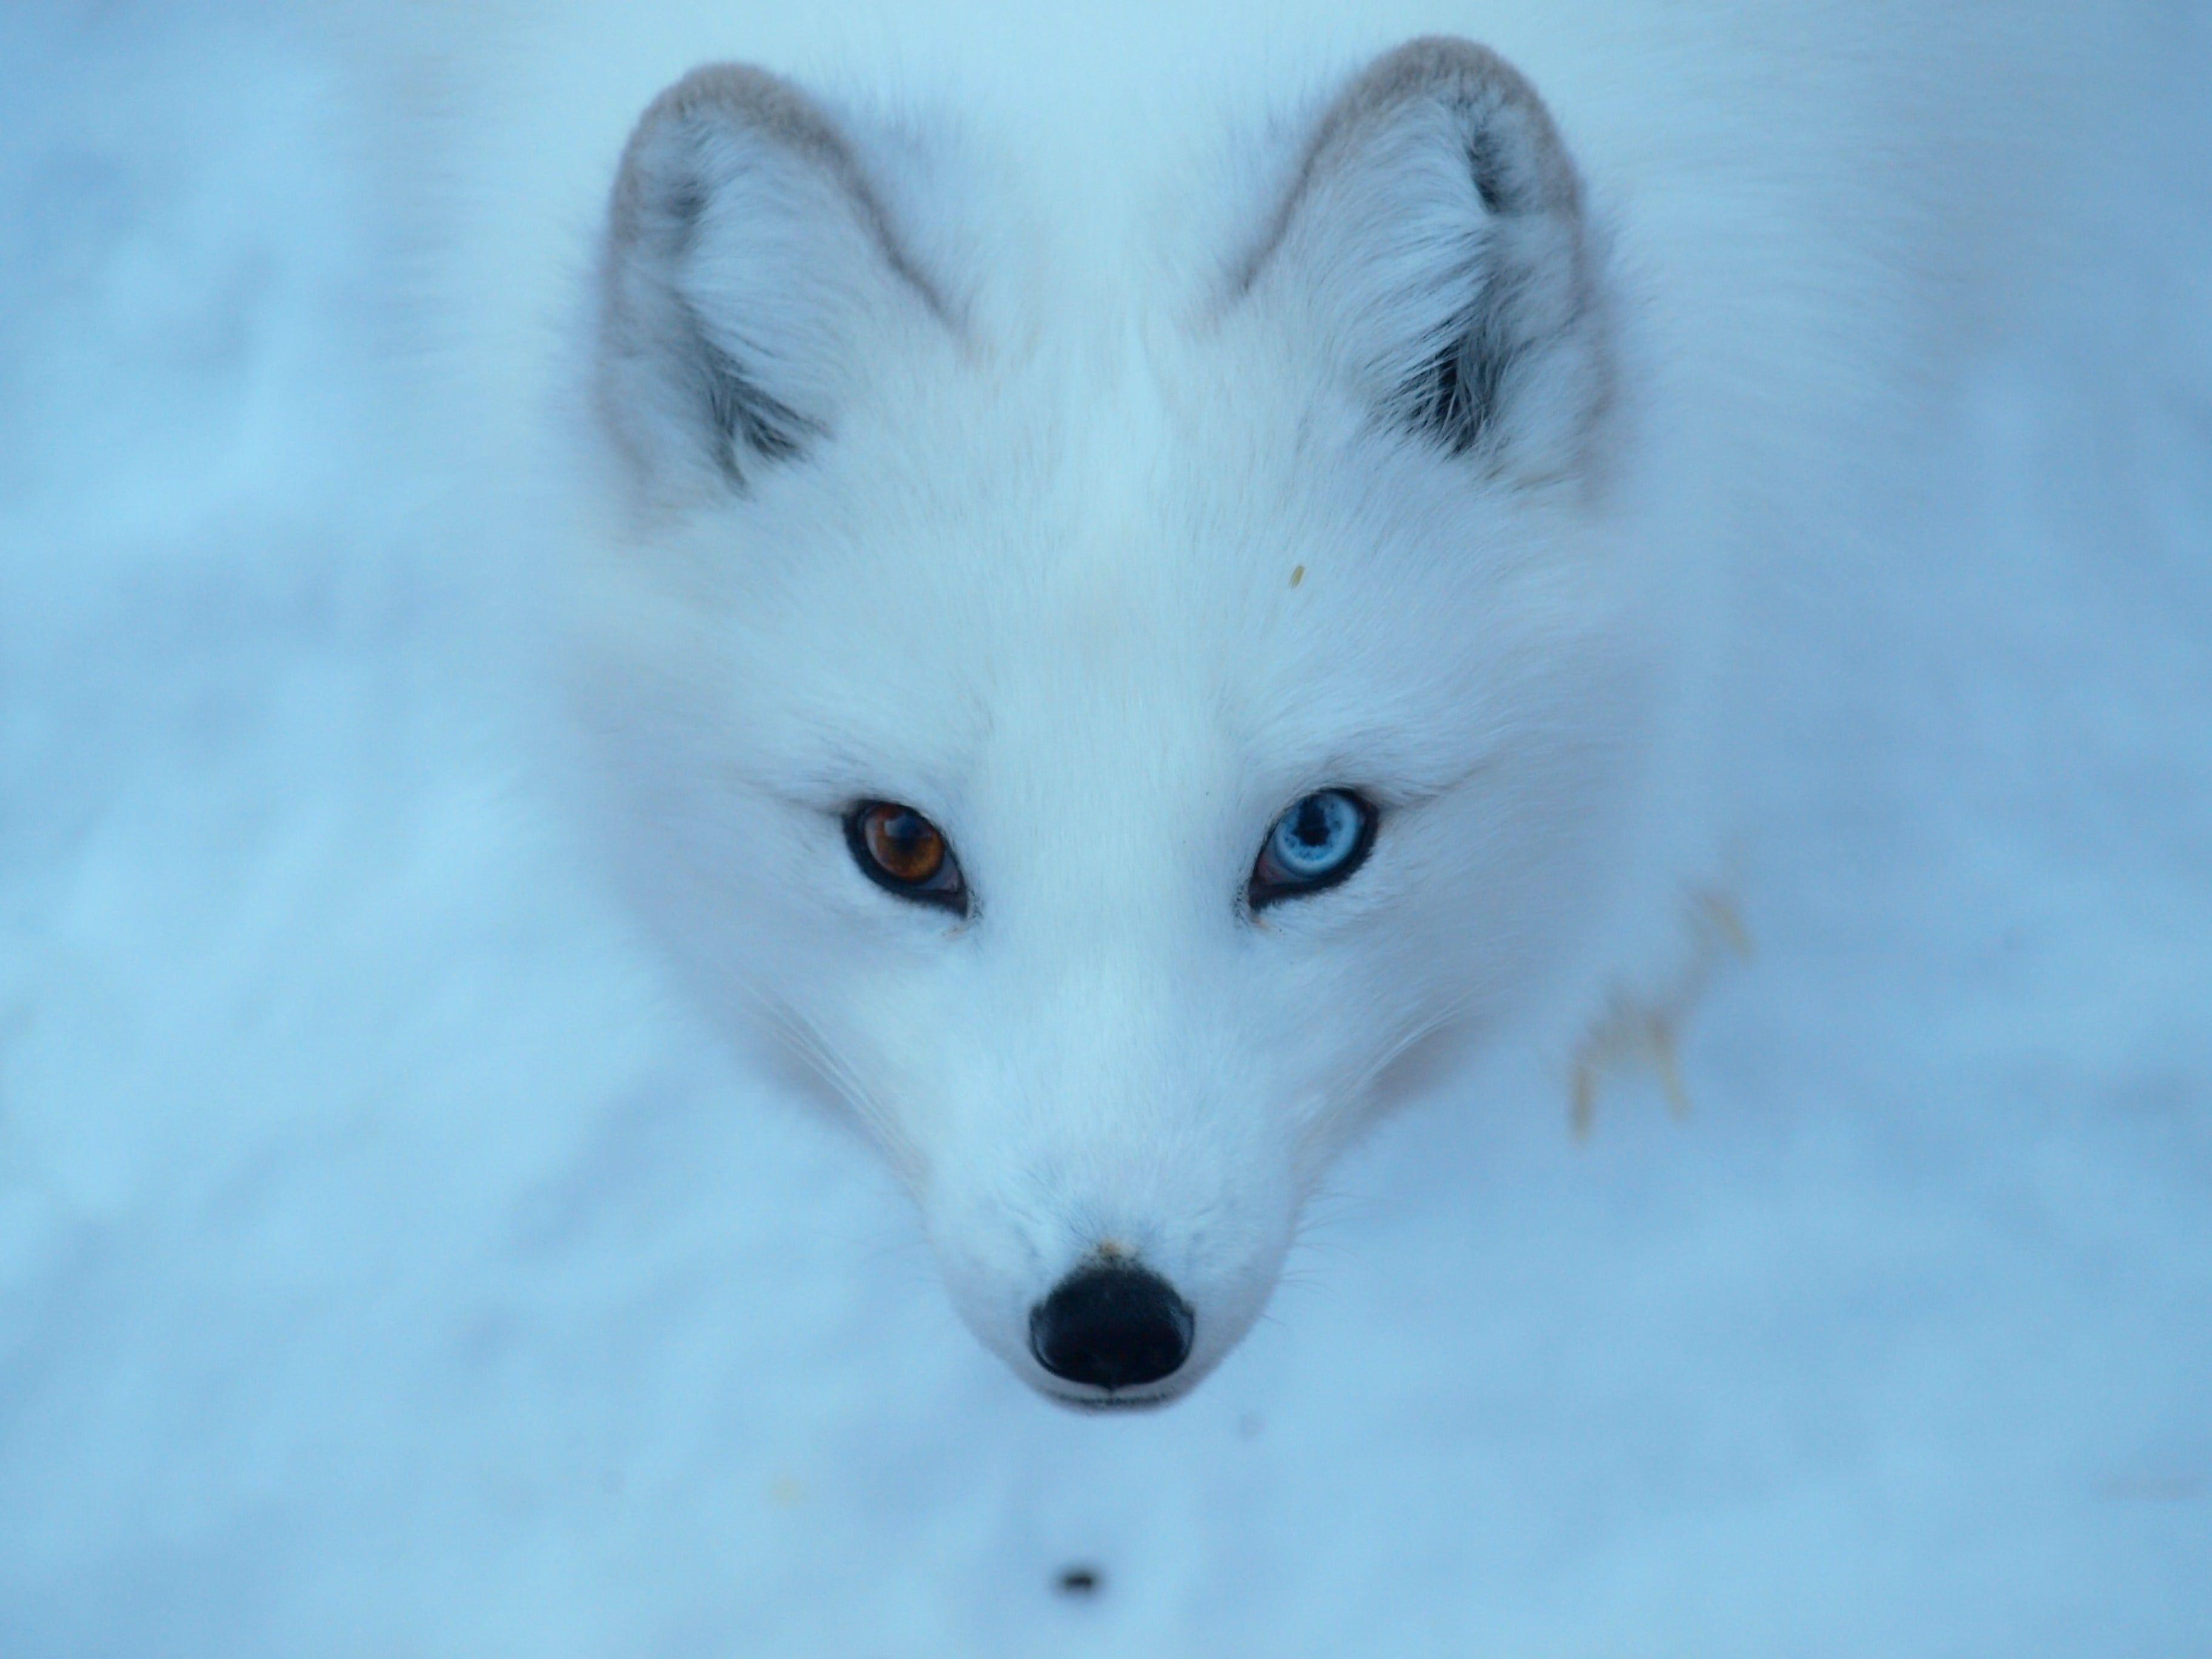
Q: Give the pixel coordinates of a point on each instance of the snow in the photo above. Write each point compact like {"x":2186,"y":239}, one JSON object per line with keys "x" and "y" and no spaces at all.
{"x":388,"y":1266}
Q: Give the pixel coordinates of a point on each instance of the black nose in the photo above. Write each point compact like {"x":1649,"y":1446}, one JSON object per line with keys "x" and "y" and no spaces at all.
{"x":1113,"y":1326}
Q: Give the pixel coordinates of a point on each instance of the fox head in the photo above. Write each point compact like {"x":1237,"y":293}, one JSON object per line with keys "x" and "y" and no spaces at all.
{"x":1104,"y":719}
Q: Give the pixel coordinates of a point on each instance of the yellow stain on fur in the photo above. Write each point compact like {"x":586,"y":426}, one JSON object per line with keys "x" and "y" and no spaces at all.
{"x":1723,"y":922}
{"x":1297,"y":575}
{"x":1659,"y":1042}
{"x":1631,"y":1034}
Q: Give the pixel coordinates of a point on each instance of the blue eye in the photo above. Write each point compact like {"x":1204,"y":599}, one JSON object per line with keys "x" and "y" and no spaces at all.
{"x":1317,"y":844}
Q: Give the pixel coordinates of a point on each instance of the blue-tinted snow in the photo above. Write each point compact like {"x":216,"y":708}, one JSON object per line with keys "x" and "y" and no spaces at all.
{"x":385,"y":1270}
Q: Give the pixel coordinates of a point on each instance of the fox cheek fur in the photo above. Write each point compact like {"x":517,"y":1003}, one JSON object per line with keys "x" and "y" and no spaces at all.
{"x":1097,"y":580}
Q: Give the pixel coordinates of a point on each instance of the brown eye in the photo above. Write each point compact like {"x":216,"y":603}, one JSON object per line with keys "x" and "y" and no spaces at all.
{"x":904,"y":852}
{"x":905,"y":845}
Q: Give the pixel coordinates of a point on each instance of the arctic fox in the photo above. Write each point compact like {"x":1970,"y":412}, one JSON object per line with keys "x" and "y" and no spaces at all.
{"x":1132,"y":602}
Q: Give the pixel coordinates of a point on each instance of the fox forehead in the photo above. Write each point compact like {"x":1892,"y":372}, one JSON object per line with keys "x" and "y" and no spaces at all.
{"x":1099,"y":645}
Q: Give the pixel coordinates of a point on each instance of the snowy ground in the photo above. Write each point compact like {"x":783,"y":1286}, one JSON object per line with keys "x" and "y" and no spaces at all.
{"x":385,"y":1270}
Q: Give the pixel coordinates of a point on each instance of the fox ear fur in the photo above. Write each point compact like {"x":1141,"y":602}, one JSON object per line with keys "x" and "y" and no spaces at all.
{"x":749,"y":272}
{"x":1434,"y":240}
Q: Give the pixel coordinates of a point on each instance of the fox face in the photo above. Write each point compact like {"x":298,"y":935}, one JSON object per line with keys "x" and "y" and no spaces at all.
{"x":1104,"y":722}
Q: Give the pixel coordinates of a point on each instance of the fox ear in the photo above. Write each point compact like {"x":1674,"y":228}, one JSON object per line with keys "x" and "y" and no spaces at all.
{"x":750,"y":274}
{"x":1434,"y":242}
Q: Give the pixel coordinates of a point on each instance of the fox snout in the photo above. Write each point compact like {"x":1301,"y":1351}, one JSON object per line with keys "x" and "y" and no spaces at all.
{"x":1108,"y":1280}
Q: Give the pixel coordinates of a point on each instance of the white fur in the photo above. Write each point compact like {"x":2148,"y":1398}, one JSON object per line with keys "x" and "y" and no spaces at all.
{"x":1108,"y":549}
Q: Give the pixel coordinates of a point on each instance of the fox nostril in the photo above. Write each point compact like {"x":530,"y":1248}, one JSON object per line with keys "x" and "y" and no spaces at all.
{"x":1111,"y":1326}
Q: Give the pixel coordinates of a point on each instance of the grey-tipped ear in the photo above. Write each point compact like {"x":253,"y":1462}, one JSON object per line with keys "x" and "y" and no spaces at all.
{"x":749,"y":272}
{"x":1434,"y":239}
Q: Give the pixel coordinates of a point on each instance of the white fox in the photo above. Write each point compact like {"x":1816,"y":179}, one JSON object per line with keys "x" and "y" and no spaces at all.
{"x":1120,"y":633}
